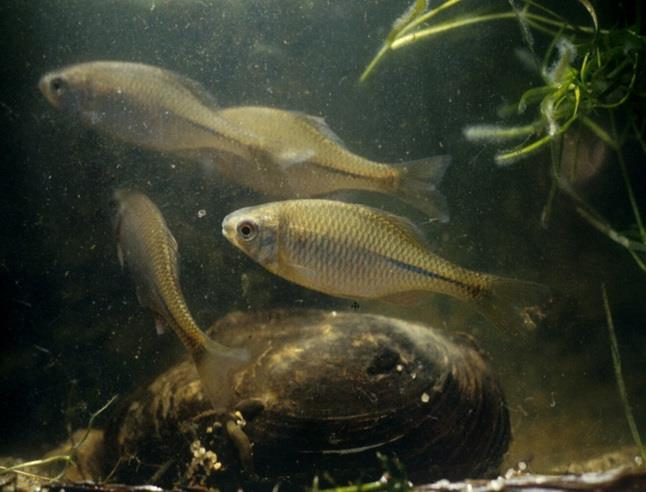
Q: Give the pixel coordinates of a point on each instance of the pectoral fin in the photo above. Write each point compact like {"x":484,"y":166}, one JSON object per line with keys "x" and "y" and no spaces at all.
{"x":301,"y":271}
{"x":291,"y":157}
{"x":160,"y":326}
{"x":120,"y":254}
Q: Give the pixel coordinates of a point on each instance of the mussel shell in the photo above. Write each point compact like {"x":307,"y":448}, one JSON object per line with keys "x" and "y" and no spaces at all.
{"x":326,"y":391}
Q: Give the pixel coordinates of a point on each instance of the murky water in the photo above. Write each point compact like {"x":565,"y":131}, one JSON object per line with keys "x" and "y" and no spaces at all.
{"x":74,"y":334}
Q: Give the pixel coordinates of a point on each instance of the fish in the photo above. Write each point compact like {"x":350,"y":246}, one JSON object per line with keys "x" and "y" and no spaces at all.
{"x":358,"y":252}
{"x":315,"y":162}
{"x":146,"y":246}
{"x":145,"y":106}
{"x":283,"y":154}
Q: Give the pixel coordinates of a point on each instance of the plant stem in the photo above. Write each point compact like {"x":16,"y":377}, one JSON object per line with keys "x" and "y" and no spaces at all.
{"x":402,"y":23}
{"x":447,"y":26}
{"x":556,"y":152}
{"x":46,"y":461}
{"x":616,"y":361}
{"x":629,"y":188}
{"x":599,"y":132}
{"x":609,"y":232}
{"x":374,"y":62}
{"x":493,"y":133}
{"x":511,"y":156}
{"x":375,"y":486}
{"x":428,"y":15}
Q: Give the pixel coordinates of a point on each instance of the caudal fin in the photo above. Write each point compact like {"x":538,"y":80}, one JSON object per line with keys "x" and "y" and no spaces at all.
{"x":418,"y":185}
{"x":216,"y":364}
{"x":516,"y":304}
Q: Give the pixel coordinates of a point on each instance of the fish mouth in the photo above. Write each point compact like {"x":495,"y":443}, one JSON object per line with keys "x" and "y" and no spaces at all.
{"x":43,"y":86}
{"x":228,"y":226}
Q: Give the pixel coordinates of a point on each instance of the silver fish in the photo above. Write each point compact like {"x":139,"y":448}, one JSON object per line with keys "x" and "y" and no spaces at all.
{"x":146,"y":245}
{"x":144,"y":105}
{"x":353,"y":251}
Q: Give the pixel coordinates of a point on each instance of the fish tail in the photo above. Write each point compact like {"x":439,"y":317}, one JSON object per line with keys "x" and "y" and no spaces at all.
{"x":418,"y":185}
{"x":216,"y":365}
{"x":216,"y":350}
{"x":515,"y":304}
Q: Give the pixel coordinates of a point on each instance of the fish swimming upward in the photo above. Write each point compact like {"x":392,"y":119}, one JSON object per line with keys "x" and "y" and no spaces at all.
{"x":282,"y":154}
{"x":147,"y":247}
{"x":353,"y":251}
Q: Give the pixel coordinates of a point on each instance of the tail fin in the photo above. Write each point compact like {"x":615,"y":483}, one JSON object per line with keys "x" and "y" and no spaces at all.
{"x":216,"y":366}
{"x":516,"y":304}
{"x":419,"y":180}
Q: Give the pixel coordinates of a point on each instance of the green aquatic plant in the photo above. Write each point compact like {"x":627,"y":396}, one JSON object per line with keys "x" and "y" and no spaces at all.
{"x":393,"y":479}
{"x":67,"y":459}
{"x":590,"y":78}
{"x":621,"y":386}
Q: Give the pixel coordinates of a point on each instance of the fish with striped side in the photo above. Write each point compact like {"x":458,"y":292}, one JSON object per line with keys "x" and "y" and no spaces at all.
{"x":148,"y":249}
{"x":358,"y":252}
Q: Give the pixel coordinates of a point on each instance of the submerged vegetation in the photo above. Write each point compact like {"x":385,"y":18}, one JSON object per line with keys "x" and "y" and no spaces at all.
{"x":394,"y":478}
{"x":621,"y":386}
{"x":67,"y":458}
{"x":591,"y":80}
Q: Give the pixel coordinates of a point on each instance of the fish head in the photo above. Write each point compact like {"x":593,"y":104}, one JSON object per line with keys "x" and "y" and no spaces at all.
{"x":254,"y":230}
{"x":81,"y":90}
{"x":64,"y":89}
{"x":120,"y":201}
{"x":120,"y":206}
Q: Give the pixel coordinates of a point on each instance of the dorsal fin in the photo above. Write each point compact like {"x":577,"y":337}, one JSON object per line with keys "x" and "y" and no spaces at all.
{"x":172,"y":242}
{"x":319,"y":124}
{"x":196,"y":89}
{"x":405,"y":225}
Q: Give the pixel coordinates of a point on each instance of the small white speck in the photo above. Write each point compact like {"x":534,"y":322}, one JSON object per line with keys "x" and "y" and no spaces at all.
{"x":399,"y":368}
{"x":425,"y":398}
{"x":201,"y":213}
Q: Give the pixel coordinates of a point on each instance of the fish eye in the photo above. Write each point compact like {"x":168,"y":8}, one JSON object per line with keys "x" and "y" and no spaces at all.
{"x":58,"y":85}
{"x":247,"y":230}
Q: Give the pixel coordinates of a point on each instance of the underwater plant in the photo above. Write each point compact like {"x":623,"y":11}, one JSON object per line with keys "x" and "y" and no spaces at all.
{"x":621,"y":385}
{"x":591,"y":79}
{"x":69,"y":458}
{"x":394,"y":478}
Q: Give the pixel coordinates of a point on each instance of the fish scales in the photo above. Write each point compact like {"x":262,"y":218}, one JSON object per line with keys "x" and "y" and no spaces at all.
{"x":315,"y":162}
{"x":354,"y":251}
{"x":283,"y":154}
{"x":144,"y":105}
{"x":150,"y":251}
{"x":299,"y":133}
{"x":148,"y":248}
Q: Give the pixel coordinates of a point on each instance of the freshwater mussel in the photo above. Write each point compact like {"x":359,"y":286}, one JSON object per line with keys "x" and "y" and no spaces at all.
{"x":323,"y":394}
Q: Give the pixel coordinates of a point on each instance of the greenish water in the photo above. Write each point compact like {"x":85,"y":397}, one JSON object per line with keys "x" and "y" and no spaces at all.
{"x":73,"y":332}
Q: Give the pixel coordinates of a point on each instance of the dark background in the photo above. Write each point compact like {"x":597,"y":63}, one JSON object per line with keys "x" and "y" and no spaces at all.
{"x":72,"y":332}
